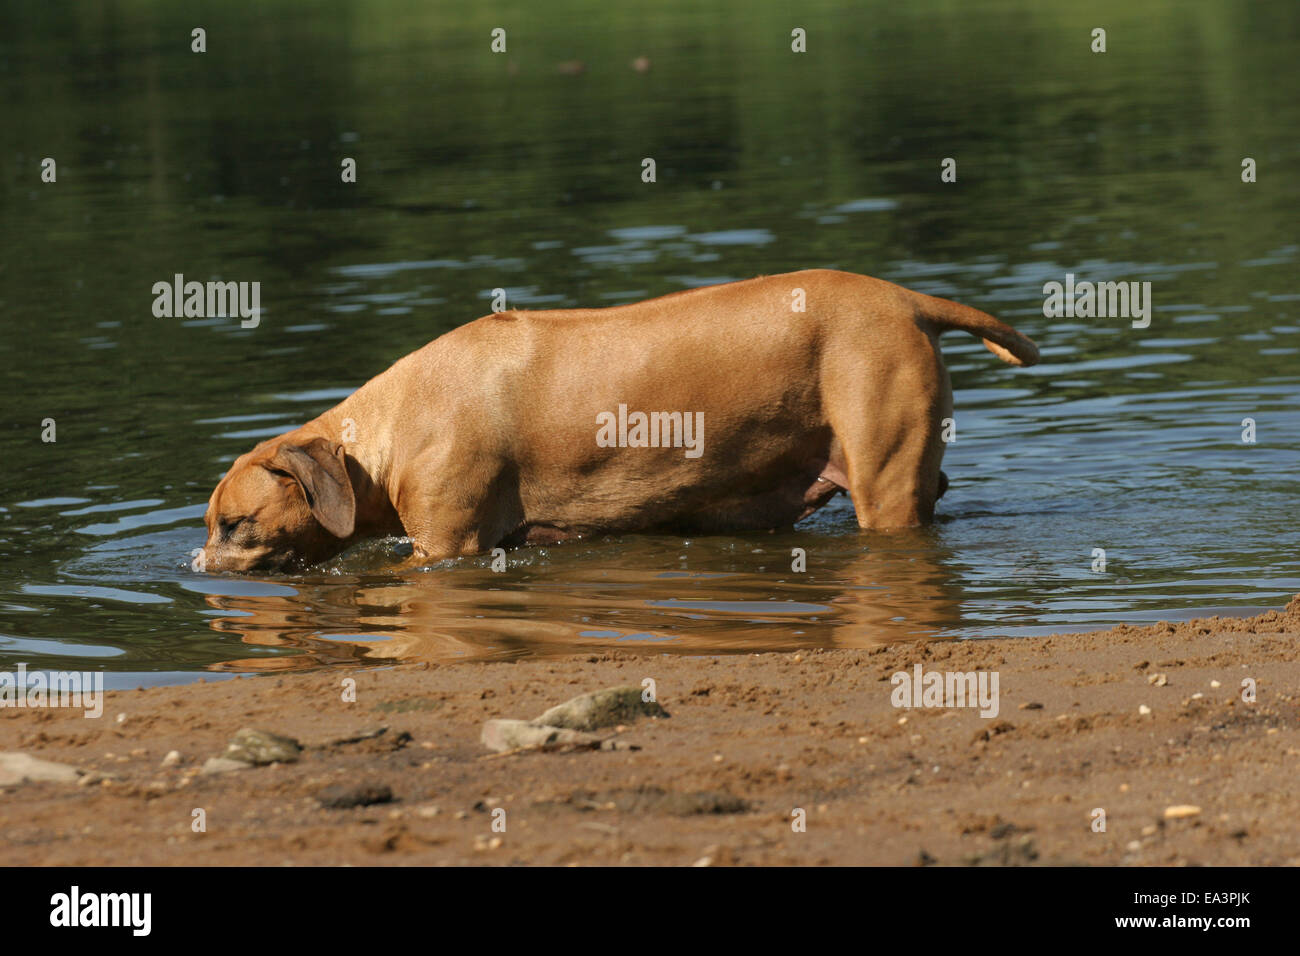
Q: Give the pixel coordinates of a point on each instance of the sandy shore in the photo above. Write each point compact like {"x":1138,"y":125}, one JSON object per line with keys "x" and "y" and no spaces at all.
{"x":1132,"y":721}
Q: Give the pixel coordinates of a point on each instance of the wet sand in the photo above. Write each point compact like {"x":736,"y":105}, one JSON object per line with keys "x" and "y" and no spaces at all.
{"x":749,"y":740}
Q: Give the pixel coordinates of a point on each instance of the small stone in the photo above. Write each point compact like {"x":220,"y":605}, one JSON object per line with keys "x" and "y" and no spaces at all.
{"x":1159,"y":680}
{"x":1031,"y":705}
{"x":1181,"y":811}
{"x":503,"y":735}
{"x":224,"y":765}
{"x":24,"y":768}
{"x":1144,"y":709}
{"x":356,"y":738}
{"x":602,"y":708}
{"x":260,"y":747}
{"x":1215,"y":683}
{"x":172,"y":759}
{"x":344,"y":797}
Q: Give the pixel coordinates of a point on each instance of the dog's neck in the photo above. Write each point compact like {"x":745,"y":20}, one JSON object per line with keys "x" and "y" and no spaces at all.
{"x":368,"y":468}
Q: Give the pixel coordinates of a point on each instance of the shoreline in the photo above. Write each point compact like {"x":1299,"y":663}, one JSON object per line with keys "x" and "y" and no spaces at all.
{"x":1147,"y":724}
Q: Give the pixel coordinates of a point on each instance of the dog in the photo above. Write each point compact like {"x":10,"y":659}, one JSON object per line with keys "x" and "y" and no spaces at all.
{"x":729,"y":408}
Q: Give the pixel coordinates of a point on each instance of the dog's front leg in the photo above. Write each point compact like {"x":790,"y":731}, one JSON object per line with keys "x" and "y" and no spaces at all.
{"x":470,"y":512}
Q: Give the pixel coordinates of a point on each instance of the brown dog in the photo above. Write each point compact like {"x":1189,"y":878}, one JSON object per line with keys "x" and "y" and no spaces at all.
{"x":728,"y":408}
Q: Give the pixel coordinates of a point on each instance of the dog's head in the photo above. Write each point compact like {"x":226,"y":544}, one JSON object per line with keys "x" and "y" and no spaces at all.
{"x":288,"y":502}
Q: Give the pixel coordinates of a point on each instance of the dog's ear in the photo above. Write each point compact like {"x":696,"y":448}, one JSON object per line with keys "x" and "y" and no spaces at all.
{"x":320,"y":467}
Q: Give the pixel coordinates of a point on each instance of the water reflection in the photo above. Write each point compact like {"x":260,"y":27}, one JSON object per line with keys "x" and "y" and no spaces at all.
{"x":737,"y":595}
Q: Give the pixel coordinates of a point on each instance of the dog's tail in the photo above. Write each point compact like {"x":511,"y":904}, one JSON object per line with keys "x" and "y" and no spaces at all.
{"x":999,"y":338}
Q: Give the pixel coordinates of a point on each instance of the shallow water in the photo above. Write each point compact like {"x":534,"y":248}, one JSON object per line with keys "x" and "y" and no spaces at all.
{"x":478,"y":171}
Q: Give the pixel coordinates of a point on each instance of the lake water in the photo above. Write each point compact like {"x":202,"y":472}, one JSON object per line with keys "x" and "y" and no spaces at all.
{"x":522,"y":171}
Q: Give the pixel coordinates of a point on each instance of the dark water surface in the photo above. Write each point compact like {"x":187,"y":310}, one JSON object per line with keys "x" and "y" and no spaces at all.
{"x":478,"y":171}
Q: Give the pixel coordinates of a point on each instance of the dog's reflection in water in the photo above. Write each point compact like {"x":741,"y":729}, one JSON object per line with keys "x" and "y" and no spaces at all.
{"x":858,"y":591}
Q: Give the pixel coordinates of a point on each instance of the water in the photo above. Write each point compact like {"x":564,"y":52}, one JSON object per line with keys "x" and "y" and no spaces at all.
{"x":478,"y":171}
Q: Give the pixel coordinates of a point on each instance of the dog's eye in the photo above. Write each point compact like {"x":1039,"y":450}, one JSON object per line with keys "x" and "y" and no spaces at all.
{"x":228,"y":525}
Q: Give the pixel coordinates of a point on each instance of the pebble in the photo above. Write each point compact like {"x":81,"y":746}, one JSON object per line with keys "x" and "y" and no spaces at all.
{"x":601,"y":708}
{"x":344,"y":797}
{"x":503,"y":735}
{"x":223,"y":765}
{"x":18,"y":767}
{"x":259,"y":747}
{"x":172,"y":759}
{"x":1181,"y":811}
{"x":573,"y":721}
{"x":1144,"y":709}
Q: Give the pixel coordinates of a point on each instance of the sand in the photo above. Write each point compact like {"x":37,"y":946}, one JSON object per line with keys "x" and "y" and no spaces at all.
{"x":762,"y":759}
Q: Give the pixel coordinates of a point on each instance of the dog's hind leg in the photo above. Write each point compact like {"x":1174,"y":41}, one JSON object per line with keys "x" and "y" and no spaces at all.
{"x":893,"y":486}
{"x":888,"y":424}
